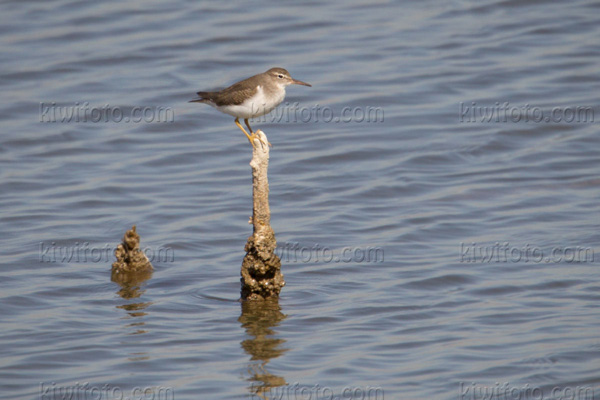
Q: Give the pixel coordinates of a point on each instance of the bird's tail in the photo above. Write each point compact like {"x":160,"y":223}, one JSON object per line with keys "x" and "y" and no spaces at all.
{"x":204,"y":97}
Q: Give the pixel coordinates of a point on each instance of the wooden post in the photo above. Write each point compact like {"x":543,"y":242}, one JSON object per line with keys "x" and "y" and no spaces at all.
{"x":261,"y":268}
{"x":132,"y":266}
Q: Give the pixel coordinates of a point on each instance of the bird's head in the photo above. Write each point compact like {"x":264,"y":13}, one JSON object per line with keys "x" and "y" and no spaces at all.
{"x":283,"y":78}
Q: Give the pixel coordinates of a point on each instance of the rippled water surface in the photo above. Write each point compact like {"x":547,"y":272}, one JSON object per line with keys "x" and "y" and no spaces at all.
{"x":445,"y":248}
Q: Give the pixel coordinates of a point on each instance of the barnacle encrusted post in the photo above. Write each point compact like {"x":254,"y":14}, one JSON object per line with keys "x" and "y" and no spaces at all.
{"x":261,"y":268}
{"x":130,"y":258}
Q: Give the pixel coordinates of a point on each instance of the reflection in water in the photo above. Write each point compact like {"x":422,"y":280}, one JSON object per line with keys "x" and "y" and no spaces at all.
{"x":131,"y":284}
{"x":258,"y":317}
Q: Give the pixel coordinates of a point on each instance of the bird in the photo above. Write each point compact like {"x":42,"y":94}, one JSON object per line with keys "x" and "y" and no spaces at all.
{"x":251,"y":97}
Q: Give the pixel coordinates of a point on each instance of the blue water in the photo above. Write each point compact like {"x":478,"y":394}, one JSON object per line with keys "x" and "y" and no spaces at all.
{"x":446,"y":248}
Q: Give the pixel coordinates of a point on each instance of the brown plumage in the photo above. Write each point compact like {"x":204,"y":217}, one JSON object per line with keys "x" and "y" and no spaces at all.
{"x":238,"y":92}
{"x":251,"y":98}
{"x":234,"y":94}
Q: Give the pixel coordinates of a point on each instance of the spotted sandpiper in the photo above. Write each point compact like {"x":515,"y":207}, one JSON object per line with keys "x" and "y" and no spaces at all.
{"x":252,"y":97}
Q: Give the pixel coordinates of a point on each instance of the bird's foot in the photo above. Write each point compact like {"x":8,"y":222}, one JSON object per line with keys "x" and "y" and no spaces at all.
{"x":261,"y":137}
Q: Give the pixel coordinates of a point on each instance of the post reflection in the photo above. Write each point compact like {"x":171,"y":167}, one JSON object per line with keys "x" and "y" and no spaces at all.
{"x":258,"y":318}
{"x":131,"y":288}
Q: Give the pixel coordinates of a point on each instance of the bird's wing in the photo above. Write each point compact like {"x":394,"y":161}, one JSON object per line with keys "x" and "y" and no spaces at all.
{"x":234,"y":94}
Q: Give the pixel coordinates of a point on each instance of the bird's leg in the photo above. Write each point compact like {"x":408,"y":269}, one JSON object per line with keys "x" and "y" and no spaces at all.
{"x":249,"y":127}
{"x":237,"y":122}
{"x":252,"y":134}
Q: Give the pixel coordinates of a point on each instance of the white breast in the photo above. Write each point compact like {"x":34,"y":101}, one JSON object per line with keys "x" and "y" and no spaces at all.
{"x":256,"y":106}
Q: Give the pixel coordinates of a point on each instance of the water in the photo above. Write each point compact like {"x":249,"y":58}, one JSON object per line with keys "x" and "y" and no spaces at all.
{"x":466,"y":246}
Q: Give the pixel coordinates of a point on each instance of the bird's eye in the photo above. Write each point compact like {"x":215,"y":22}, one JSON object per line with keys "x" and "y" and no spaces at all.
{"x":280,"y":76}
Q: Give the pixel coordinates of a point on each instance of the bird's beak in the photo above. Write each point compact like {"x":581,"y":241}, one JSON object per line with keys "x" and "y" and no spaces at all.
{"x":295,"y":82}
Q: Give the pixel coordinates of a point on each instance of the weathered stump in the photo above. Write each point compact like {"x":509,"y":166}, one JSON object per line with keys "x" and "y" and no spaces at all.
{"x":261,"y":268}
{"x":132,"y":264}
